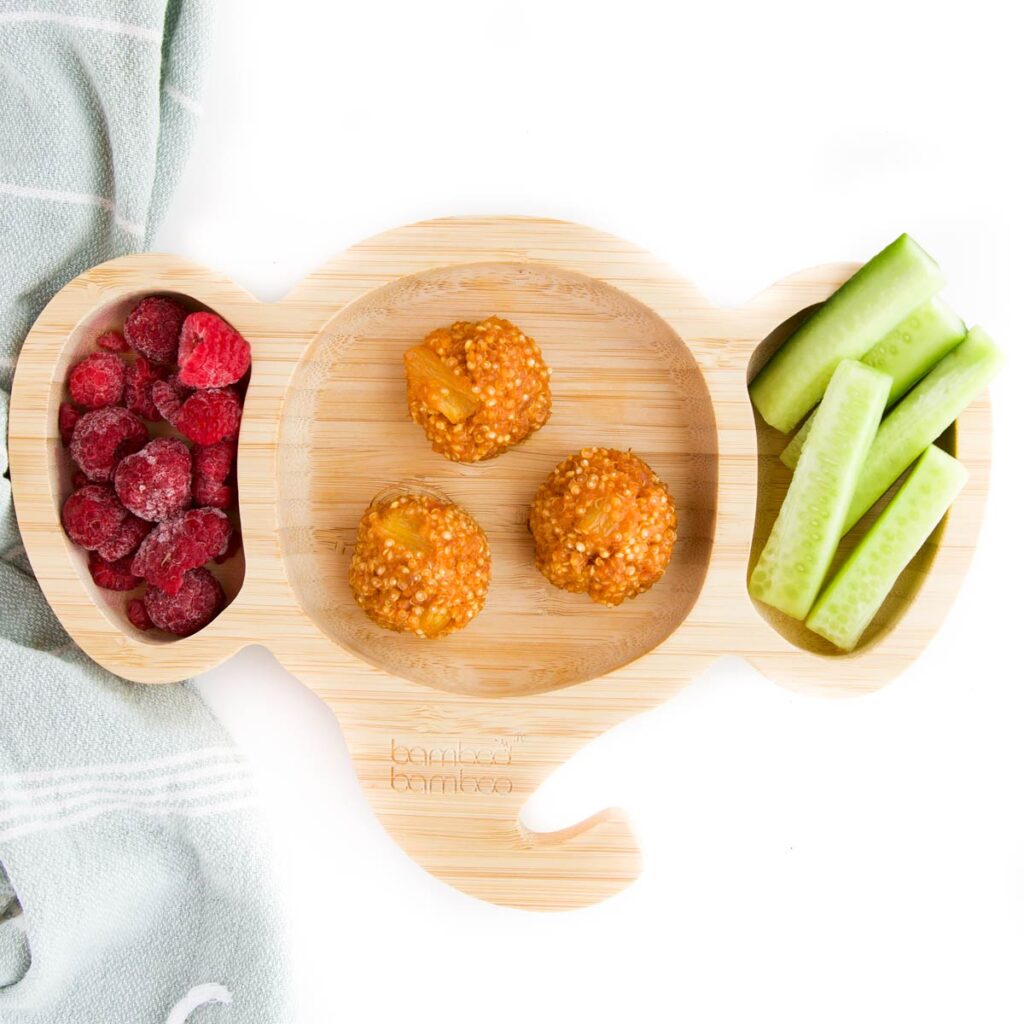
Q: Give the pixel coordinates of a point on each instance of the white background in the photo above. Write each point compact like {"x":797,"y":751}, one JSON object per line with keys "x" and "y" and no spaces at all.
{"x":807,"y":860}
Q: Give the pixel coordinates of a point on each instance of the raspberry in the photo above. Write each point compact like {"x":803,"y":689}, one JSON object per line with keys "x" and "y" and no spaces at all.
{"x":112,"y":341}
{"x":112,"y":575}
{"x":214,"y":461}
{"x":234,"y":545}
{"x":167,"y":397}
{"x":97,"y":381}
{"x":195,"y":604}
{"x":103,"y":437}
{"x":92,"y":515}
{"x":125,"y":540}
{"x":211,"y":354}
{"x":138,"y":387}
{"x":79,"y":480}
{"x":137,"y":614}
{"x":177,"y":545}
{"x":156,"y":482}
{"x":210,"y":493}
{"x":67,"y":417}
{"x":206,"y":417}
{"x":153,"y":328}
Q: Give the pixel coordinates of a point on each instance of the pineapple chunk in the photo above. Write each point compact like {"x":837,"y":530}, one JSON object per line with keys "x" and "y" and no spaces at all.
{"x":404,"y":527}
{"x":601,"y":517}
{"x":433,"y":382}
{"x":434,"y":620}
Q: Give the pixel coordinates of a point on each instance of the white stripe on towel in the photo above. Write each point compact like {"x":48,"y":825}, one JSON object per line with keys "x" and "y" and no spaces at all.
{"x":78,"y":21}
{"x":55,"y":824}
{"x":124,"y":767}
{"x":196,"y":997}
{"x":22,"y":794}
{"x":58,"y":806}
{"x":75,"y":199}
{"x":186,"y":102}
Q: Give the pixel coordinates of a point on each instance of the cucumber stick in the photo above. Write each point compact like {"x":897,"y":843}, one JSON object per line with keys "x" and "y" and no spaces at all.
{"x":922,"y":416}
{"x":803,"y":541}
{"x":906,"y":353}
{"x":887,"y":289}
{"x":849,"y":603}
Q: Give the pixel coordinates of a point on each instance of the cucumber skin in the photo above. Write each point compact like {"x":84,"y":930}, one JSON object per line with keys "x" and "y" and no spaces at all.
{"x":852,"y":599}
{"x":906,"y":353}
{"x":889,"y":287}
{"x":797,"y":555}
{"x":925,"y":412}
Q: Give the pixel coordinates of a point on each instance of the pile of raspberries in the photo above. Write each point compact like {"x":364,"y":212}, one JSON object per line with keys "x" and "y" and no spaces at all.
{"x":153,"y":511}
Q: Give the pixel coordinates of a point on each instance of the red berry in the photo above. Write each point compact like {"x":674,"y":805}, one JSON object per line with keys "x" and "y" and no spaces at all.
{"x":112,"y":341}
{"x":92,"y":515}
{"x":156,"y":482}
{"x":177,"y":545}
{"x":210,"y":493}
{"x":138,"y":387}
{"x":97,"y":381}
{"x":103,"y":437}
{"x":206,"y":417}
{"x":232,"y":549}
{"x":167,"y":397}
{"x":196,"y":602}
{"x":137,"y":614}
{"x":211,"y":354}
{"x":79,"y":480}
{"x":112,"y":575}
{"x":214,"y":461}
{"x":67,"y":417}
{"x":125,"y":540}
{"x":154,"y":326}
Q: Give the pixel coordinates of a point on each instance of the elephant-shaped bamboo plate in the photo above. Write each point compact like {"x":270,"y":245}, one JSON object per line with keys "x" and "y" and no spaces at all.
{"x":449,"y":738}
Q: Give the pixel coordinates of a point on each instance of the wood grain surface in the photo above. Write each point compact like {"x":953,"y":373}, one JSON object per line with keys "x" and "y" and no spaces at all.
{"x":449,"y":739}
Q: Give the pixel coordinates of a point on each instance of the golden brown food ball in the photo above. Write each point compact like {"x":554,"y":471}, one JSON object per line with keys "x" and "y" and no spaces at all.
{"x":421,"y":565}
{"x":477,"y":389}
{"x":603,"y":523}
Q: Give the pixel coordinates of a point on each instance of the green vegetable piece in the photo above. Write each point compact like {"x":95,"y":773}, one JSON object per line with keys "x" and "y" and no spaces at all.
{"x":849,"y":603}
{"x":803,"y":541}
{"x":887,"y":289}
{"x":906,"y":353}
{"x":923,"y":415}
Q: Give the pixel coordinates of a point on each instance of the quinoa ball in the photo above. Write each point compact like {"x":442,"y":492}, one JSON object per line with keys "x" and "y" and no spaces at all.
{"x":603,"y":524}
{"x":477,"y":389}
{"x":421,"y":565}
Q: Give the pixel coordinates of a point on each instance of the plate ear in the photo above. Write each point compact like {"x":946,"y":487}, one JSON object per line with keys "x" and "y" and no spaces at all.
{"x":41,"y":470}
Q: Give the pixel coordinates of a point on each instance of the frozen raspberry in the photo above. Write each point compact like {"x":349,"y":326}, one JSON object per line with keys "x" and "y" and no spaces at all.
{"x":103,"y":437}
{"x":112,"y":341}
{"x":79,"y":480}
{"x":137,"y":614}
{"x":214,"y":461}
{"x":195,"y":603}
{"x":92,"y":515}
{"x":210,"y":493}
{"x":97,"y":381}
{"x":234,"y":546}
{"x":167,"y":397}
{"x":156,"y":482}
{"x":206,"y":417}
{"x":138,"y":387}
{"x":177,"y":545}
{"x":211,"y":354}
{"x":154,"y":326}
{"x":125,"y":540}
{"x":67,"y":417}
{"x":112,"y":575}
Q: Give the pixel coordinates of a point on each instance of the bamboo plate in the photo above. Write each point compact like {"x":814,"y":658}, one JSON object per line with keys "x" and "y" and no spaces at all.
{"x":450,"y":738}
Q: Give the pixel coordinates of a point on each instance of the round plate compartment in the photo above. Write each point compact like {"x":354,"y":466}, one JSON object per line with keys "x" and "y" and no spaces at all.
{"x":621,"y":378}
